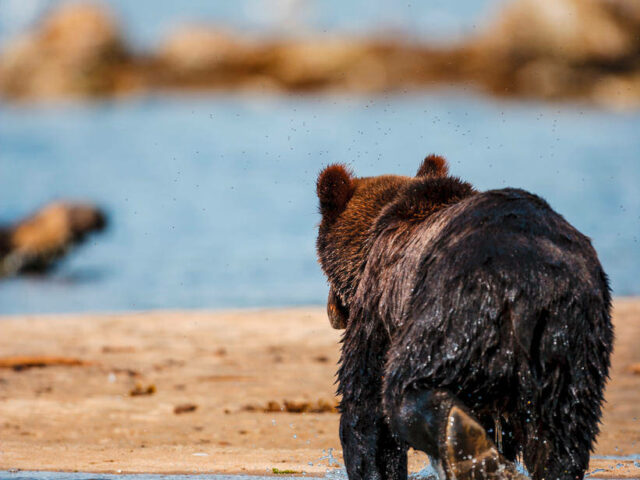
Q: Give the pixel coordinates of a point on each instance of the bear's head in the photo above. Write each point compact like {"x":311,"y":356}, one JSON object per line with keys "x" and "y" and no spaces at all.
{"x":351,"y":207}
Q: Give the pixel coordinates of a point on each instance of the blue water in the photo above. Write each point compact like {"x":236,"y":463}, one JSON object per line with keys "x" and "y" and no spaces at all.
{"x":427,"y":474}
{"x":212,"y":198}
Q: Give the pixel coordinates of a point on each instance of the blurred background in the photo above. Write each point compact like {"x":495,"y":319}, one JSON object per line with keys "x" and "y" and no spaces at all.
{"x":199,"y":127}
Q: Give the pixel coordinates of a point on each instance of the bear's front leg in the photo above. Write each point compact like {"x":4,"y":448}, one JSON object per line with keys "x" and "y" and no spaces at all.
{"x":370,"y":450}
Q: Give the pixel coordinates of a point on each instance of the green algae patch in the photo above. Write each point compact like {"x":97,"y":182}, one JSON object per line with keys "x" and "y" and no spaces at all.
{"x":277,"y":471}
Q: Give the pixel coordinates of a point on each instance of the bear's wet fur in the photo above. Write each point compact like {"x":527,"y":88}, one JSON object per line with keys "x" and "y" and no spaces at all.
{"x":488,"y":304}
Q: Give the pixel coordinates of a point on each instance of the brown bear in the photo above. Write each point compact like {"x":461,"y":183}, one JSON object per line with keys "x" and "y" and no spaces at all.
{"x":477,"y":326}
{"x":37,"y":242}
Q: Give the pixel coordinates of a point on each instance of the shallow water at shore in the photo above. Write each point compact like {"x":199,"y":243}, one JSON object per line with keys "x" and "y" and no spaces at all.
{"x":212,"y":198}
{"x":98,"y":476}
{"x":31,"y":475}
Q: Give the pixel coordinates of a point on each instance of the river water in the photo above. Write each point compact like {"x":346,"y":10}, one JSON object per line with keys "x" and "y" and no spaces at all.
{"x":212,"y":198}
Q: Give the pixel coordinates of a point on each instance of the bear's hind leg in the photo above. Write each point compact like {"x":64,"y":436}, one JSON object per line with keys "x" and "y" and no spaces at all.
{"x":437,"y":423}
{"x":561,"y":393}
{"x":559,"y":441}
{"x":557,"y":452}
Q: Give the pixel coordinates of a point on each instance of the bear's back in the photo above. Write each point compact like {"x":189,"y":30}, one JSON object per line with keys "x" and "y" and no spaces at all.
{"x":503,"y":264}
{"x":506,"y":235}
{"x":498,"y":244}
{"x":501,"y":291}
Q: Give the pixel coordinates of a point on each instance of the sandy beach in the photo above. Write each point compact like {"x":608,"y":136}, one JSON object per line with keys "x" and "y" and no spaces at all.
{"x":227,"y":392}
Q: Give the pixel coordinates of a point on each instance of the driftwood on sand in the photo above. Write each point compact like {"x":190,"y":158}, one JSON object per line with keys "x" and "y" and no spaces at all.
{"x":23,"y":362}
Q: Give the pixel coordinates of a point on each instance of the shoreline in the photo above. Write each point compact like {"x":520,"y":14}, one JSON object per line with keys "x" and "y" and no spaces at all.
{"x":208,"y":311}
{"x":228,"y":392}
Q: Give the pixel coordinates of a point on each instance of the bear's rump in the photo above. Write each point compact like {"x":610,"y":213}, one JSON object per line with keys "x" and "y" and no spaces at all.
{"x":506,"y":292}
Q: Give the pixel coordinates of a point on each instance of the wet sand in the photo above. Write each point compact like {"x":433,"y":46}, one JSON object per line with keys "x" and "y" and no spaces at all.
{"x":198,"y":392}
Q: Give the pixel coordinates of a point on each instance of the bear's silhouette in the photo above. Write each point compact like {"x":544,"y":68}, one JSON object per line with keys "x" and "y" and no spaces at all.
{"x":477,"y":326}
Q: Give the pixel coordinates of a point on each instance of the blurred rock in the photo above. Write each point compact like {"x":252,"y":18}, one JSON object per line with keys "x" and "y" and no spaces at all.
{"x":571,"y":30}
{"x":556,"y":49}
{"x":551,"y":49}
{"x":37,"y":242}
{"x":77,"y":51}
{"x":205,"y":57}
{"x":199,"y":49}
{"x":621,"y":92}
{"x":201,"y":57}
{"x":319,"y":63}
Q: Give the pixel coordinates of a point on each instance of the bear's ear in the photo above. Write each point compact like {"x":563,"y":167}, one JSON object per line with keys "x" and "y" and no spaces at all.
{"x":335,"y":188}
{"x":433,"y":166}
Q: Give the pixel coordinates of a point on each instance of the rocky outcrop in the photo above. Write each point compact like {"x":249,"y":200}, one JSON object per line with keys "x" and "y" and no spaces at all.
{"x":563,"y":49}
{"x":77,"y":51}
{"x":206,"y":58}
{"x":550,"y":49}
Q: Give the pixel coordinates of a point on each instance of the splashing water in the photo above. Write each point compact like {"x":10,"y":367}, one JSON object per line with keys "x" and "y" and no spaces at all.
{"x":426,"y":473}
{"x":338,"y":473}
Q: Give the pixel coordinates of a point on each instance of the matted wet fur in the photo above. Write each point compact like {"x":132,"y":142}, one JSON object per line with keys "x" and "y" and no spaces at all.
{"x":486,"y":302}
